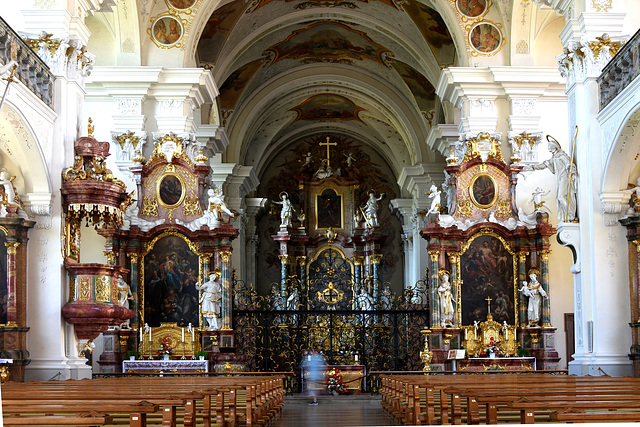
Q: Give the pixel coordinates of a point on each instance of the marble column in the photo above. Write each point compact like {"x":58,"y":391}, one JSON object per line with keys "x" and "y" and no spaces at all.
{"x":133,"y":284}
{"x":522,"y":300}
{"x":284,"y":276}
{"x":544,"y":281}
{"x":225,"y":312}
{"x":12,"y":288}
{"x":454,"y":261}
{"x":435,"y":303}
{"x":375,"y":261}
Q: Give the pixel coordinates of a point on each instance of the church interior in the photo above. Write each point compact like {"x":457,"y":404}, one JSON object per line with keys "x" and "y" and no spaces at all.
{"x":401,"y":185}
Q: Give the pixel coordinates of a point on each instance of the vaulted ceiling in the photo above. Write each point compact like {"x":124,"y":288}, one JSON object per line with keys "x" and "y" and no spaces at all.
{"x":296,"y":70}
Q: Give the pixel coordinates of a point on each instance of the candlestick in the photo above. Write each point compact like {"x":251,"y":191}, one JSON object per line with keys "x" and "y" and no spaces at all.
{"x":140,"y":334}
{"x":149,"y":334}
{"x":182,"y":334}
{"x":466,"y":335}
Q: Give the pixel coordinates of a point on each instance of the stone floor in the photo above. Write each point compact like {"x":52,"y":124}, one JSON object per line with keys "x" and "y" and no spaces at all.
{"x":333,"y":411}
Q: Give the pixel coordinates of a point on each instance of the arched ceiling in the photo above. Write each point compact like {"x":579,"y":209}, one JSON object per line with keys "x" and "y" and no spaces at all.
{"x":293,"y":70}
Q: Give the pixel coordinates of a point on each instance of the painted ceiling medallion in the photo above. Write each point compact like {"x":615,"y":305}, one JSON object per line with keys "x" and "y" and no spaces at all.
{"x":327,"y":107}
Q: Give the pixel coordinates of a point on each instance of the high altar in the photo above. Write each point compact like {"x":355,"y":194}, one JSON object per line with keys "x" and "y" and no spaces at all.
{"x":489,"y":261}
{"x":164,"y":240}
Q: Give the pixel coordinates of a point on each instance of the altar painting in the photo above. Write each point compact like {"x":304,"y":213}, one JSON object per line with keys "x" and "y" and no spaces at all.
{"x":329,"y":209}
{"x":487,"y":270}
{"x":170,"y":273}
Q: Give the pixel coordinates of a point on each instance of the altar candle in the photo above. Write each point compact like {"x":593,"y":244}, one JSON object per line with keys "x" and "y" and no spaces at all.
{"x":149,"y":334}
{"x":506,"y":335}
{"x":466,"y":335}
{"x":140,"y":334}
{"x":182,"y":334}
{"x":192,"y":336}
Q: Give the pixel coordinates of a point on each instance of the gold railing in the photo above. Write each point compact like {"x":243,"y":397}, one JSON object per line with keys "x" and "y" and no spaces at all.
{"x":31,"y":70}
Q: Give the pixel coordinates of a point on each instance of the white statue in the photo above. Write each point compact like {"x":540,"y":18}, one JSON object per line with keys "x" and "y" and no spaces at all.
{"x":6,"y":182}
{"x":325,"y":170}
{"x":566,"y":174}
{"x":350,"y":159}
{"x":371,"y":209}
{"x":287,"y":209}
{"x":293,"y":301}
{"x":308,"y":159}
{"x":216,"y":204}
{"x":446,"y":300}
{"x":529,"y":221}
{"x":533,"y":290}
{"x":434,"y":194}
{"x":536,"y":199}
{"x":364,"y":301}
{"x":125,"y":296}
{"x":211,"y":300}
{"x":476,"y":325}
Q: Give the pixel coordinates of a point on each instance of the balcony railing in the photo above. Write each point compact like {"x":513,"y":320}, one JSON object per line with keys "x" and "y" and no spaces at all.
{"x":620,"y":71}
{"x":31,"y":71}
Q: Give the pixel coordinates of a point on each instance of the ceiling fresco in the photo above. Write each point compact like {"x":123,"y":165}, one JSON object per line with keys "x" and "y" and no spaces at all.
{"x":367,"y":68}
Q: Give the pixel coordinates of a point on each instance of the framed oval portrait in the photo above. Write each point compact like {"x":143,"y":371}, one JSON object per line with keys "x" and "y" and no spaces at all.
{"x":471,"y":8}
{"x":181,"y":4}
{"x":166,"y":30}
{"x":485,"y":38}
{"x":483,"y":191}
{"x":170,"y":190}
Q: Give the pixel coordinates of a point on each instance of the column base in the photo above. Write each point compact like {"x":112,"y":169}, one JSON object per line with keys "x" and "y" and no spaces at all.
{"x":57,"y":369}
{"x":612,"y":365}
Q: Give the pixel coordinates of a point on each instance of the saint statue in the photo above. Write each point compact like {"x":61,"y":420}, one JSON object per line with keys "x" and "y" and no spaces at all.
{"x":364,"y":302}
{"x":125,"y":296}
{"x":446,"y":300}
{"x":434,"y":194}
{"x":371,"y":209}
{"x":217,"y":205}
{"x":286,"y":212}
{"x":566,"y":179}
{"x":7,"y":185}
{"x":211,"y":299}
{"x":533,"y":290}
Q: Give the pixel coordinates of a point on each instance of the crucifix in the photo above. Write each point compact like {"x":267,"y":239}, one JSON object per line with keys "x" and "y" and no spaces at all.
{"x":328,"y":144}
{"x":488,"y":300}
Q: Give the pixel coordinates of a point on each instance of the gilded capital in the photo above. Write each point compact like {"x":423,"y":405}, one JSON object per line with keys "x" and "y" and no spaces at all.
{"x":111,"y":257}
{"x":545,"y":255}
{"x":358,"y":260}
{"x":284,"y":259}
{"x":225,"y":256}
{"x":12,"y":247}
{"x":134,"y":257}
{"x":302,"y":260}
{"x":376,"y":258}
{"x":434,"y":255}
{"x":522,"y":257}
{"x":454,"y":258}
{"x":637,"y":243}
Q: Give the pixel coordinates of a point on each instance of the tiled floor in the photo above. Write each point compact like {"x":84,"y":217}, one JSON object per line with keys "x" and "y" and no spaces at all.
{"x":333,"y":411}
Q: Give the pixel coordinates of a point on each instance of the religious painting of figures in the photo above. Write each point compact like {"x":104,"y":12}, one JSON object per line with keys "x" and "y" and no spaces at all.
{"x":483,"y":191}
{"x":170,"y":190}
{"x":329,"y":209}
{"x":327,"y":107}
{"x":471,"y":8}
{"x":170,"y":273}
{"x":4,"y":279}
{"x":181,"y":4}
{"x":487,"y":271}
{"x":328,"y":40}
{"x":166,"y":30}
{"x":485,"y":38}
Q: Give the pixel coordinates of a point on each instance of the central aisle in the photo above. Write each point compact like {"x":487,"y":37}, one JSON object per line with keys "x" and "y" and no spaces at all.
{"x":333,"y":411}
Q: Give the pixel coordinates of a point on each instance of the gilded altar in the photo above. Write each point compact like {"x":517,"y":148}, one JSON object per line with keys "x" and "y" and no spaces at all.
{"x":478,"y":338}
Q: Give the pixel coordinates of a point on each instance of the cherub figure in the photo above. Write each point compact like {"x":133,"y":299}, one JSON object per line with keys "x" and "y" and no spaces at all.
{"x":536,"y":199}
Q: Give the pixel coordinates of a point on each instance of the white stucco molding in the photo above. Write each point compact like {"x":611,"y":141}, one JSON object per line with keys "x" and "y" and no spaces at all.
{"x":614,"y":203}
{"x":39,"y":206}
{"x":442,"y":138}
{"x":569,"y":236}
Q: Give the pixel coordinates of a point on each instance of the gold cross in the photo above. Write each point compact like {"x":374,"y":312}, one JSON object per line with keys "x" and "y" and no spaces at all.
{"x":488,"y":300}
{"x":328,"y":144}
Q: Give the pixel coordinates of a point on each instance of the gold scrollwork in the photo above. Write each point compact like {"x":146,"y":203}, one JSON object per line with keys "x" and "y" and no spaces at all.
{"x":150,"y":206}
{"x":503,"y":208}
{"x":51,"y":44}
{"x":103,"y":289}
{"x":12,"y":247}
{"x":596,"y":47}
{"x":111,"y":257}
{"x":72,"y":289}
{"x":330,"y":295}
{"x":486,"y":232}
{"x":226,"y":256}
{"x":483,"y":142}
{"x":434,"y":255}
{"x":191,"y":206}
{"x":179,"y":152}
{"x":84,"y":289}
{"x":464,"y":209}
{"x":123,"y":137}
{"x":149,"y":245}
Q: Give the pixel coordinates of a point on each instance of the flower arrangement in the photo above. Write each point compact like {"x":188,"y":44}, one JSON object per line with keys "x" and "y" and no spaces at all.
{"x":165,"y":348}
{"x":334,"y":382}
{"x":492,"y":348}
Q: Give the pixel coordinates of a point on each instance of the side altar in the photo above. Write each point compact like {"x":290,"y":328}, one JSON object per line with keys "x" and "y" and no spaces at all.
{"x":489,"y":261}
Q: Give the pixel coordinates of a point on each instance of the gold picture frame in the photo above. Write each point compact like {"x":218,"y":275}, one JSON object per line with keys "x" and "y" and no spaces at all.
{"x":483,"y":190}
{"x":166,"y":190}
{"x":329,"y":210}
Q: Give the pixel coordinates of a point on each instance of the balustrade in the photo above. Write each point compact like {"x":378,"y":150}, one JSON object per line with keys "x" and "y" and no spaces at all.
{"x":31,"y":71}
{"x":620,"y":71}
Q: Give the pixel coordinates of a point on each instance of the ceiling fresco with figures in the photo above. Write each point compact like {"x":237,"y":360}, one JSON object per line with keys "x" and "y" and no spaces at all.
{"x":292,"y":70}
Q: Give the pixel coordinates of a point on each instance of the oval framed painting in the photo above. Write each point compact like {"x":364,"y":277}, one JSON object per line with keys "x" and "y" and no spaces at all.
{"x":483,"y":191}
{"x":181,"y":4}
{"x":472,"y":8}
{"x":166,"y":31}
{"x":485,"y":38}
{"x":170,"y":191}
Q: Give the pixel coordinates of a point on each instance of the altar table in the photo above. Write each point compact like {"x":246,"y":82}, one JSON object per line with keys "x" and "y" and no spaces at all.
{"x":352,"y":377}
{"x":156,"y":366}
{"x":481,"y":364}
